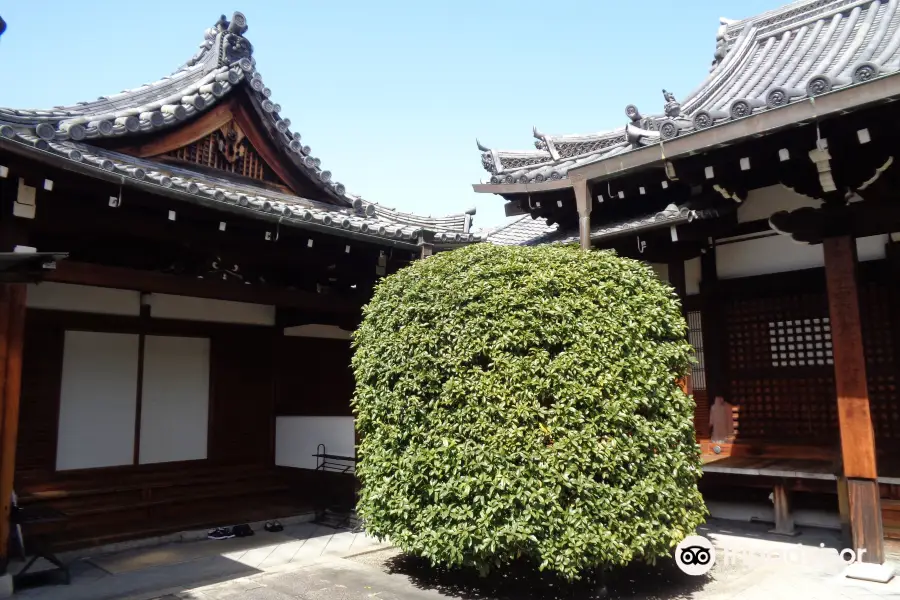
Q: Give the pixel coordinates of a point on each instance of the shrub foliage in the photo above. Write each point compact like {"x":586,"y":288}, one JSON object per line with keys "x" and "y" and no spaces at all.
{"x":519,"y":402}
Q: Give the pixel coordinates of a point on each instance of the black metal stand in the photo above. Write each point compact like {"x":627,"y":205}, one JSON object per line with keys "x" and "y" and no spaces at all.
{"x":33,"y":517}
{"x":326,"y":513}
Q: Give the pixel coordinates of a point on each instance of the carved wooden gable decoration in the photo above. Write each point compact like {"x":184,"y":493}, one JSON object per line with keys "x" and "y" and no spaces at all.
{"x":226,"y":149}
{"x":228,"y":138}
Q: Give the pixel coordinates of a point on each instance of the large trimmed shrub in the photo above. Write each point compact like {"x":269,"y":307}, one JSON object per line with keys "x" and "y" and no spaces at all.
{"x":520,"y":402}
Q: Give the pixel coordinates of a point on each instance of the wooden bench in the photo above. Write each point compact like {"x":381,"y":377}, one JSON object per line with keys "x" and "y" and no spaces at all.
{"x":122,"y":504}
{"x":782,"y":462}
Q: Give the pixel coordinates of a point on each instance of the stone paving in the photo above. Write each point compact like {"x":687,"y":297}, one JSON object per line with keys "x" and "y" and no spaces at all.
{"x":313,"y":563}
{"x":152,"y":572}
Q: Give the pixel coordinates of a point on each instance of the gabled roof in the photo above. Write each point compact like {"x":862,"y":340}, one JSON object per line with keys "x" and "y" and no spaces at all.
{"x":223,"y":64}
{"x":796,"y":52}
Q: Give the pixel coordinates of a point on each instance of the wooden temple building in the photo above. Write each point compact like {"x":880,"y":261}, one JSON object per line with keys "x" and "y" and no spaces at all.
{"x":768,"y":198}
{"x":178,"y":278}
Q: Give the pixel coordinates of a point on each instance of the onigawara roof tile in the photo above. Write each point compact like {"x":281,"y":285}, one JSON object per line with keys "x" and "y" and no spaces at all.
{"x":223,"y":63}
{"x":793,"y":53}
{"x":523,"y":231}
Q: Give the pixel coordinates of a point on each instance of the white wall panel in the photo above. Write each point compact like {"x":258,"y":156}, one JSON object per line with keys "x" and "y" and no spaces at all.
{"x":872,"y":247}
{"x":318,"y":331}
{"x":83,"y":298}
{"x":98,"y":400}
{"x":165,"y":306}
{"x":296,"y":439}
{"x":761,"y":203}
{"x":175,"y":399}
{"x":661,"y":270}
{"x":772,"y":254}
{"x":692,"y":276}
{"x":779,"y":253}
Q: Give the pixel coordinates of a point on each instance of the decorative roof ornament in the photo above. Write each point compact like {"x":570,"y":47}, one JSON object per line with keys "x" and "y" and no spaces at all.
{"x":721,"y":42}
{"x":632,"y":112}
{"x":540,"y":141}
{"x":672,"y":107}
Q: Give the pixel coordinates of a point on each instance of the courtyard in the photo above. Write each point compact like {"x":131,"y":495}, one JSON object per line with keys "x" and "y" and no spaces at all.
{"x":307,"y":562}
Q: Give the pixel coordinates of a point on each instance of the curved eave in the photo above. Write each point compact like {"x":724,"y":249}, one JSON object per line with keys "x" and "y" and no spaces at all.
{"x":178,"y":98}
{"x":521,"y":188}
{"x":299,"y":212}
{"x":883,"y":89}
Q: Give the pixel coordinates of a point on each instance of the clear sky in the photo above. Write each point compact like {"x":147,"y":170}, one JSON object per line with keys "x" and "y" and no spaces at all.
{"x":390,"y":95}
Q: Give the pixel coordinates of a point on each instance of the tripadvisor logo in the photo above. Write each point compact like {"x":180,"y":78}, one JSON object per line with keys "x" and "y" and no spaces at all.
{"x":695,"y":555}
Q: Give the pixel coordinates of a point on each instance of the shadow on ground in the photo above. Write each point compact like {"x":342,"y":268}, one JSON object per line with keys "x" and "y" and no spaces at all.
{"x":522,"y":582}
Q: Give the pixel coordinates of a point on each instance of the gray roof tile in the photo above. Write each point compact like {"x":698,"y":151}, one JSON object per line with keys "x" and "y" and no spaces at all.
{"x":803,"y":49}
{"x":223,"y":63}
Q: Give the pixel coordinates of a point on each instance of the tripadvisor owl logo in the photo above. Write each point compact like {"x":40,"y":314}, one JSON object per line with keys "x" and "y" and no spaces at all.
{"x":695,"y":555}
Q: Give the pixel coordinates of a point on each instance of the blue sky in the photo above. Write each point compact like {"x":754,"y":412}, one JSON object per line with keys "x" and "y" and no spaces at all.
{"x":391,"y":95}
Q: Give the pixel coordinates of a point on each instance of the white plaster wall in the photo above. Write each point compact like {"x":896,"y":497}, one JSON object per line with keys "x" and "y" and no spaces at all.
{"x":661,"y":270}
{"x":174,"y":399}
{"x":761,"y":203}
{"x":315,"y":330}
{"x":778,"y":253}
{"x":165,"y":306}
{"x":98,"y":400}
{"x":692,"y":276}
{"x":296,"y":439}
{"x":83,"y":298}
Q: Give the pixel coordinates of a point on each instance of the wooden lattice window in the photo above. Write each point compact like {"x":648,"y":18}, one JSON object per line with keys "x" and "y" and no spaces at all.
{"x":801,"y":342}
{"x":227,"y":149}
{"x":881,"y":363}
{"x":695,"y":336}
{"x":698,"y":375}
{"x":780,"y":368}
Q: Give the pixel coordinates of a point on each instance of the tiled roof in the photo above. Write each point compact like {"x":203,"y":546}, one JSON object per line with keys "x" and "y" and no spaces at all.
{"x":518,"y":231}
{"x":799,"y":51}
{"x":223,"y":63}
{"x":523,"y":231}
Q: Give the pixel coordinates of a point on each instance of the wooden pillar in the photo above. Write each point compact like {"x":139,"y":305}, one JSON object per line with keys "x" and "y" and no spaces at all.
{"x":857,"y":436}
{"x":427,"y":250}
{"x":583,"y":203}
{"x":12,"y":330}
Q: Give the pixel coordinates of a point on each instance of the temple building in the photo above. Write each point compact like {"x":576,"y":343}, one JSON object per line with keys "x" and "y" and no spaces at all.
{"x":767,"y":197}
{"x":180,"y":274}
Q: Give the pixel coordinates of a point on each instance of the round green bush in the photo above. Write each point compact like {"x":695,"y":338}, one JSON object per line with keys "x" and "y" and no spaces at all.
{"x":522,"y":403}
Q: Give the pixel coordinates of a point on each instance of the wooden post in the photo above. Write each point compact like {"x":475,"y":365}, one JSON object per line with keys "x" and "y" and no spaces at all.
{"x":12,"y":330}
{"x":857,"y":436}
{"x":583,"y":203}
{"x":427,"y":250}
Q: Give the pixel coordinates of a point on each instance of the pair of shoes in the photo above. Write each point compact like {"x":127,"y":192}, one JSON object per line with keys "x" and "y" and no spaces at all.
{"x":273,"y":526}
{"x":220,"y":533}
{"x":242,"y":530}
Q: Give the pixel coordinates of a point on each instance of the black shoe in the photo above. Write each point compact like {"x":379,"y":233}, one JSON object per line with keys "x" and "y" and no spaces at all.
{"x":273,"y":526}
{"x":242,"y":530}
{"x":220,"y":533}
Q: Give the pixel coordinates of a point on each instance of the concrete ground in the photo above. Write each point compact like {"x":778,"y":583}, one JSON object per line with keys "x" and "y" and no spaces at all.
{"x":312,"y":563}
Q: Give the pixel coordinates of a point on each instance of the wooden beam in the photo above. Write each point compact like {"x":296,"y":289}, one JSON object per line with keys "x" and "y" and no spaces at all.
{"x":12,"y":330}
{"x":857,"y":436}
{"x":163,"y":283}
{"x":583,"y":203}
{"x":185,"y":134}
